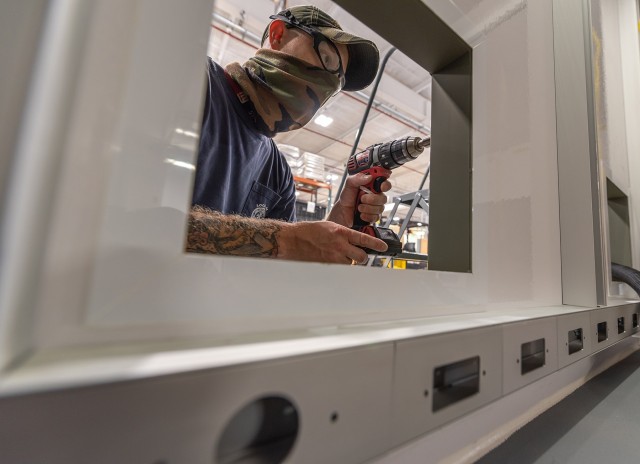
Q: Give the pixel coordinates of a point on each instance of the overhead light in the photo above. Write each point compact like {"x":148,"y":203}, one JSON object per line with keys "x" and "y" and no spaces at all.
{"x":323,"y":120}
{"x":180,"y":164}
{"x":396,"y":218}
{"x":419,"y":224}
{"x":388,"y":207}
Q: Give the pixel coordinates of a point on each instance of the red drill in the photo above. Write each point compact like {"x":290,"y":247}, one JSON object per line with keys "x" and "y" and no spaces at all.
{"x":377,"y":161}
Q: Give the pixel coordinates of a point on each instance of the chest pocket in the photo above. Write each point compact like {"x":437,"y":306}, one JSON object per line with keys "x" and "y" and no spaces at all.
{"x":260,"y":201}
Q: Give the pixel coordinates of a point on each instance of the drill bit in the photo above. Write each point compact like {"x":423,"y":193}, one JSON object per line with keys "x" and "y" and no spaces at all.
{"x":425,"y":142}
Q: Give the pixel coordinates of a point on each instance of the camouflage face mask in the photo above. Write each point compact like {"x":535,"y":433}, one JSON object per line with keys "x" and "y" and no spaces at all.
{"x":285,"y":90}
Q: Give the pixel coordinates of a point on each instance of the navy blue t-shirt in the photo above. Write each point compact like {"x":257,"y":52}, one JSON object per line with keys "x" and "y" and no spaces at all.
{"x":239,"y":169}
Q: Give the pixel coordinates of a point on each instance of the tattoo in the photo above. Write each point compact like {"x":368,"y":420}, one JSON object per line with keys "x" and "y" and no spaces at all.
{"x":224,"y":234}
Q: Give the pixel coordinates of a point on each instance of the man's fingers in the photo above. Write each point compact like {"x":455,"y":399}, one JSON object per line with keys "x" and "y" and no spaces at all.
{"x":371,"y":209}
{"x":357,"y":255}
{"x":358,"y":180}
{"x":376,"y":198}
{"x":362,"y":179}
{"x":350,"y":193}
{"x":366,"y":241}
{"x":370,"y":217}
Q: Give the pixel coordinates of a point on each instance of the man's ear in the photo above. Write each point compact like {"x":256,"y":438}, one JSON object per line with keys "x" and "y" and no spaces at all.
{"x":277,"y":30}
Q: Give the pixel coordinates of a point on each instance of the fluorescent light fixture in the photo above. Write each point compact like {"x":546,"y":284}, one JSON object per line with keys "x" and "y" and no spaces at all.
{"x":419,"y":224}
{"x":180,"y":164}
{"x":323,"y":120}
{"x":396,"y":218}
{"x":187,"y":133}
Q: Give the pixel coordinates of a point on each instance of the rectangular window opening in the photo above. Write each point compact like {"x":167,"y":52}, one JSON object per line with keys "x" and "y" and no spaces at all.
{"x":602,"y":332}
{"x":454,"y":382}
{"x":532,"y":355}
{"x":620,"y":325}
{"x":575,"y":342}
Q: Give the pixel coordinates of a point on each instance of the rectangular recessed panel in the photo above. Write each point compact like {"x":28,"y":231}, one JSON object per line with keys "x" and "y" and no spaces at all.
{"x":573,"y":330}
{"x":456,"y":381}
{"x":634,"y":320}
{"x":602,"y":332}
{"x":575,"y":343}
{"x":532,"y":355}
{"x":620,"y":325}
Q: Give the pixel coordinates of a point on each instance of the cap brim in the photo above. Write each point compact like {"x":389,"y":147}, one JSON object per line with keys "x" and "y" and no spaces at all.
{"x":364,"y":58}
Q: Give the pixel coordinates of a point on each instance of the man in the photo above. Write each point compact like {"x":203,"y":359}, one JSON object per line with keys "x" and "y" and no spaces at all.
{"x":244,"y":194}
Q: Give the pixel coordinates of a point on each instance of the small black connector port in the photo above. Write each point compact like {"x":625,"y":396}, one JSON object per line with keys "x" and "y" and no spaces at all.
{"x":454,"y":382}
{"x":575,"y":343}
{"x":602,"y":332}
{"x":634,"y":321}
{"x":532,"y":355}
{"x":620,"y":325}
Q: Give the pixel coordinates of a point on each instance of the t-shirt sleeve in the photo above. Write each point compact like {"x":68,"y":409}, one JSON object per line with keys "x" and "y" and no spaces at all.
{"x":289,"y":201}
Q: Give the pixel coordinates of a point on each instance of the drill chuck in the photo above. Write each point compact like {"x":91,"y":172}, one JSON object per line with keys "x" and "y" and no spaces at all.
{"x":389,"y":155}
{"x":399,"y":152}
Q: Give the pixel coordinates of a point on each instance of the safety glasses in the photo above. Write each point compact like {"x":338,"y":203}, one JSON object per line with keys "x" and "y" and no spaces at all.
{"x":324,"y":48}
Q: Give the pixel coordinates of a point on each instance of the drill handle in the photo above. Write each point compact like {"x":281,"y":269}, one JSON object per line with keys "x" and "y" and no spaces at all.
{"x":378,"y":176}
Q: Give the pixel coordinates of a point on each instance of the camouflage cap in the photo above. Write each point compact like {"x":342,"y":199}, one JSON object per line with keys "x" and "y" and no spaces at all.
{"x":363,"y":54}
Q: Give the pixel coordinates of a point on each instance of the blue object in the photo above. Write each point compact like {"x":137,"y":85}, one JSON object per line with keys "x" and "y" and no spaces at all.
{"x":239,"y":169}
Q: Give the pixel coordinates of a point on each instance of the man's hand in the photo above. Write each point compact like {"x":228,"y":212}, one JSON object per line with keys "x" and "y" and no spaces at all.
{"x":322,"y":241}
{"x":326,"y":242}
{"x":371,"y":206}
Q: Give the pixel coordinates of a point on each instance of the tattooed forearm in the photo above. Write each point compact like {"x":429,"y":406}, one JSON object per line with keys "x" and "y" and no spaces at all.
{"x":222,"y":234}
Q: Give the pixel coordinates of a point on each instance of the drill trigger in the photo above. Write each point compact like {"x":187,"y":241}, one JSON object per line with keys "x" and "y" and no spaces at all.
{"x":377,"y":183}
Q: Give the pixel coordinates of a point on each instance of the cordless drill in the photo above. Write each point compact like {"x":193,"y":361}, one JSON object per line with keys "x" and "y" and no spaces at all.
{"x":377,"y":160}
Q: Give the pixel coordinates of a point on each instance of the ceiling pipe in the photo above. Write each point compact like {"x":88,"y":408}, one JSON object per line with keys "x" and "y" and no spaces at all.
{"x":239,"y":29}
{"x":389,"y":109}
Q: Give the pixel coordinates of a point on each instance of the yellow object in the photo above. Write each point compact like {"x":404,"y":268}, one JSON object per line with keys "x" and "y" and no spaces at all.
{"x":399,"y":264}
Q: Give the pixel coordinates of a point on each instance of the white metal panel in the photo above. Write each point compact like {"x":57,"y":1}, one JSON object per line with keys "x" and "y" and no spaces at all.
{"x":181,"y":418}
{"x":36,"y":160}
{"x":122,"y":274}
{"x":20,"y":34}
{"x":630,"y":50}
{"x":466,"y":440}
{"x":583,"y":280}
{"x":572,"y":322}
{"x":514,"y":336}
{"x":600,"y":316}
{"x":515,"y":190}
{"x":413,"y":392}
{"x":609,"y":91}
{"x":623,"y":322}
